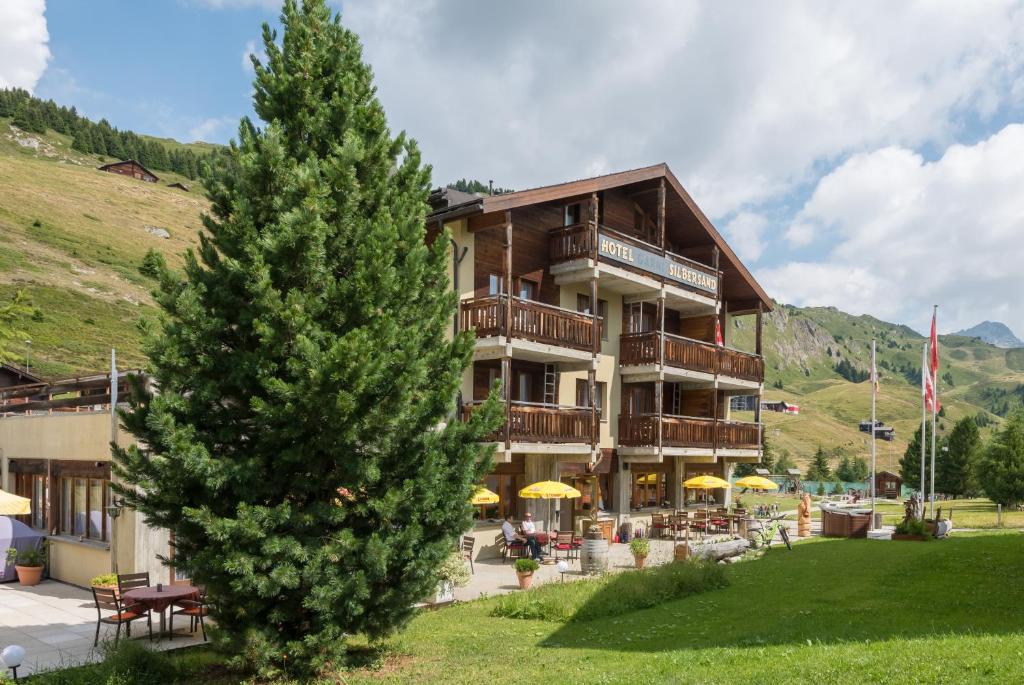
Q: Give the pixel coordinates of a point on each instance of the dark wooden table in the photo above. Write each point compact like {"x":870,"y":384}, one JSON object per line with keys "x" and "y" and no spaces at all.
{"x":158,"y":600}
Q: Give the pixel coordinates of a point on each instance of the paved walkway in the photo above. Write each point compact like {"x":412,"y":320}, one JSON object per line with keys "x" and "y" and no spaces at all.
{"x":56,"y":624}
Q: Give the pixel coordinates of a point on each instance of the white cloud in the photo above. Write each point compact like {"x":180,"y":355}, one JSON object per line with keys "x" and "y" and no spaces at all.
{"x":906,"y":233}
{"x":745,"y":101}
{"x":745,"y":233}
{"x":207,"y":129}
{"x":252,"y":48}
{"x":24,"y":52}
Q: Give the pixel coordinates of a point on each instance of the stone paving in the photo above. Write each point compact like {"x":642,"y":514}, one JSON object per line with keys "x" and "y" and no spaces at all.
{"x":56,"y":624}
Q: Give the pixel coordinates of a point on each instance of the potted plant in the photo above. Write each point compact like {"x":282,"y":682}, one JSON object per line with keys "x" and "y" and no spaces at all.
{"x":524,"y":571}
{"x":452,"y":573}
{"x":28,"y":563}
{"x":640,"y":547}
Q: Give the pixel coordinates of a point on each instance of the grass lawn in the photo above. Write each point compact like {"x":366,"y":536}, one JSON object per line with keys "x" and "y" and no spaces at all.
{"x":967,"y":513}
{"x":829,"y":611}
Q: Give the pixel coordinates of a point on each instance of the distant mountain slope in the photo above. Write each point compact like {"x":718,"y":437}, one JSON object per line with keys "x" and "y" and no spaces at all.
{"x":994,"y":333}
{"x":72,"y":238}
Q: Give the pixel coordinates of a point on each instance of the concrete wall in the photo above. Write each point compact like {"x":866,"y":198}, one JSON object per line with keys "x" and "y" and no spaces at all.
{"x":77,"y":562}
{"x":463,"y":239}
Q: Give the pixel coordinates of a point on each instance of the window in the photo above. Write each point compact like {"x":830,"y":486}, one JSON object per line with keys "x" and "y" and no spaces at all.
{"x":523,"y":386}
{"x":84,"y":508}
{"x":528,"y":289}
{"x":495,"y":284}
{"x":583,"y":305}
{"x":583,"y":395}
{"x":640,"y":317}
{"x":573,"y":215}
{"x":32,"y":486}
{"x":507,"y":486}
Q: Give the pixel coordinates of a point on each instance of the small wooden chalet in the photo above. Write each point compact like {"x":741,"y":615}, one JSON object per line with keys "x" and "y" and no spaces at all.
{"x":130,"y":167}
{"x":888,"y":484}
{"x":11,"y":375}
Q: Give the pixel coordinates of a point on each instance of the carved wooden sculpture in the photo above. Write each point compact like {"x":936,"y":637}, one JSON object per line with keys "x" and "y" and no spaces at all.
{"x":803,"y":517}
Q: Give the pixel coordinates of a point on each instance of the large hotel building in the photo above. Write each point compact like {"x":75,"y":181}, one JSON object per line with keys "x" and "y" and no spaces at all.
{"x":599,"y":305}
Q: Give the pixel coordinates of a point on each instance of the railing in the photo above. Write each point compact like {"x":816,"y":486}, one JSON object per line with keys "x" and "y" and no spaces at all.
{"x":70,"y":395}
{"x":741,"y":365}
{"x":536,"y":321}
{"x":576,"y":242}
{"x":570,"y":242}
{"x":738,"y":435}
{"x":531,"y":422}
{"x":641,"y":430}
{"x":693,"y":355}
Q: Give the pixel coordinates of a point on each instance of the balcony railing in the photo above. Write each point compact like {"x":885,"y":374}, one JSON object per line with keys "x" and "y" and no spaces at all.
{"x":641,"y":430}
{"x":531,"y":422}
{"x":692,"y":355}
{"x":531,"y":320}
{"x":738,"y":435}
{"x":568,"y":243}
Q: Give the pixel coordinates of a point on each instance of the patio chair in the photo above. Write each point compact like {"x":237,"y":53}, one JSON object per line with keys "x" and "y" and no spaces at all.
{"x":195,"y":609}
{"x":130,"y":581}
{"x":565,"y":542}
{"x":468,"y":542}
{"x":513,"y":550}
{"x":658,"y":525}
{"x":108,"y":600}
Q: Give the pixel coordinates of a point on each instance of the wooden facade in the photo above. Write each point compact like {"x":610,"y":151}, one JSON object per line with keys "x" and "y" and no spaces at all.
{"x":130,"y":168}
{"x":595,"y":305}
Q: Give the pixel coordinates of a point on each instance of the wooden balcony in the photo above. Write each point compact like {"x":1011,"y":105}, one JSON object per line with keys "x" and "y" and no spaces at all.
{"x":530,"y":320}
{"x":576,"y":242}
{"x":641,"y":430}
{"x":546,"y":423}
{"x":641,"y":349}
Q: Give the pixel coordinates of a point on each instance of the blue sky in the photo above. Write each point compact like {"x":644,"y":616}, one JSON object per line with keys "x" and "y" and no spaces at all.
{"x":864,"y":155}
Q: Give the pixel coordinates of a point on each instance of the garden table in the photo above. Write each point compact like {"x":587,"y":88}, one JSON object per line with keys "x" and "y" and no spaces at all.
{"x":157,"y":598}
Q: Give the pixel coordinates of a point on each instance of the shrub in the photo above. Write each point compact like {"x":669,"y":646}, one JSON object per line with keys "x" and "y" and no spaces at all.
{"x":612,"y":595}
{"x":913,"y":526}
{"x":526,"y":566}
{"x":104,"y":579}
{"x":153,"y":264}
{"x":454,"y":570}
{"x":640,"y":547}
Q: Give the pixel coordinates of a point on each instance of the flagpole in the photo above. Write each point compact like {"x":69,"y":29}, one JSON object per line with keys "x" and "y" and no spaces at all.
{"x":924,"y":424}
{"x":935,"y":404}
{"x":874,"y":392}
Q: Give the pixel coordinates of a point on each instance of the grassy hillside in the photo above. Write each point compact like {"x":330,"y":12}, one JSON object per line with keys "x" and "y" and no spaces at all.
{"x":72,"y":238}
{"x":802,"y":348}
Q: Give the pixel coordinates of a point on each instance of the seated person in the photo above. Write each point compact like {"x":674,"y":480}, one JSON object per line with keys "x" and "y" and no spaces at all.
{"x":512,"y":536}
{"x":528,"y":527}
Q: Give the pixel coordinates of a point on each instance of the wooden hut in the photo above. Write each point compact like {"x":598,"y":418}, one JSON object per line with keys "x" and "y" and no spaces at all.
{"x":130,"y":167}
{"x":888,"y":484}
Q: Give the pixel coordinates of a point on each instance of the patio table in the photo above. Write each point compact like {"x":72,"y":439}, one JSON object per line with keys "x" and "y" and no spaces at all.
{"x":158,"y":600}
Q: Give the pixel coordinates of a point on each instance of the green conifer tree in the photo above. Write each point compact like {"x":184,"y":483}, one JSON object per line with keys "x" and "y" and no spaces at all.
{"x":910,"y":462}
{"x":1001,"y":466}
{"x":302,"y":448}
{"x":819,"y":469}
{"x":954,"y":467}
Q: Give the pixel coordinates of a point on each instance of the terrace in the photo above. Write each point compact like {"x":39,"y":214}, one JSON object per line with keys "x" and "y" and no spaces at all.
{"x":534,"y":330}
{"x":688,"y":359}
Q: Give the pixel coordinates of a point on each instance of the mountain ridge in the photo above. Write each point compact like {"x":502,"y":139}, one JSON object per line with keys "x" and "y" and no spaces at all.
{"x":993,"y":332}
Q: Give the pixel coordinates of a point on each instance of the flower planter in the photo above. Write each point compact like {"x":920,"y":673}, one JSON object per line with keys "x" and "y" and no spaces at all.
{"x":525,"y":579}
{"x":902,"y":536}
{"x":29,"y":575}
{"x":640,"y":561}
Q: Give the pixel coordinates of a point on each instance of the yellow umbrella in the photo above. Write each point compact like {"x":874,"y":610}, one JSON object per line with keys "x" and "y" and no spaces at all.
{"x":484,"y":496}
{"x":706,"y":483}
{"x":757,"y":483}
{"x":12,"y":505}
{"x":549,"y":489}
{"x":649,"y":479}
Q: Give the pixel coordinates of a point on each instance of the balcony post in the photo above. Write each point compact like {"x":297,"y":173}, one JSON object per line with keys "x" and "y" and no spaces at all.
{"x":659,"y":384}
{"x":506,"y":359}
{"x":757,"y":339}
{"x":595,"y":425}
{"x":506,"y":385}
{"x":661,"y":215}
{"x":507,"y":277}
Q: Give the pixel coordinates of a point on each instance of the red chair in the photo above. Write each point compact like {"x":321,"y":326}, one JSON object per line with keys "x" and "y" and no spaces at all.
{"x":194,"y":609}
{"x":565,"y":543}
{"x":108,"y":599}
{"x":658,"y":525}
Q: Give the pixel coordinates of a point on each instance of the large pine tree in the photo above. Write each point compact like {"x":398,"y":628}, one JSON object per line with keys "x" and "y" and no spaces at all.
{"x":1001,"y":466}
{"x":300,"y":447}
{"x":910,"y":462}
{"x":954,"y":467}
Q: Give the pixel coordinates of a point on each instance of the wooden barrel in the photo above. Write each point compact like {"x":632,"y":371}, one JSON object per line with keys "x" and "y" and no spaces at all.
{"x":594,"y":555}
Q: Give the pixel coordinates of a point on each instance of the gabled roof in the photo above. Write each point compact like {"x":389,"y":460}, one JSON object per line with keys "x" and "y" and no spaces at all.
{"x":729,"y":261}
{"x":20,"y":372}
{"x":129,"y":161}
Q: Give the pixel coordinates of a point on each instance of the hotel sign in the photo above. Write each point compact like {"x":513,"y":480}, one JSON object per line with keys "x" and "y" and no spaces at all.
{"x":637,"y":257}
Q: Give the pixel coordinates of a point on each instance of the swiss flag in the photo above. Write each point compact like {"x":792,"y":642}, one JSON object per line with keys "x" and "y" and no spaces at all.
{"x":718,"y":333}
{"x":930,"y":396}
